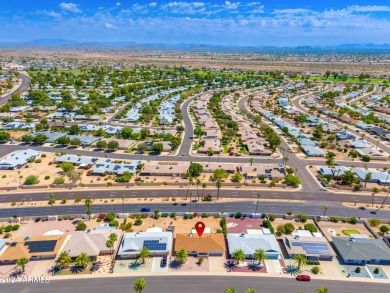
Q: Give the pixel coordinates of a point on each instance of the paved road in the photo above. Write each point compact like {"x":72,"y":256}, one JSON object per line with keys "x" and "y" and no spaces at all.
{"x":192,"y":284}
{"x":22,"y":88}
{"x":279,"y":208}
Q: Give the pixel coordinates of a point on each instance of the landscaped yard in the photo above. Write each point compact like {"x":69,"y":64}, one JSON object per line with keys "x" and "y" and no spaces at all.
{"x":75,"y":270}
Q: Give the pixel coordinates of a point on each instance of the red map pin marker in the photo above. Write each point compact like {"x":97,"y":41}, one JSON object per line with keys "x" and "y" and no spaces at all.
{"x":199,"y":227}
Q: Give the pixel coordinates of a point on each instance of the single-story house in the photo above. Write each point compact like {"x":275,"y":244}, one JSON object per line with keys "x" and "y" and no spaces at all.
{"x":361,"y":251}
{"x":207,"y":245}
{"x":312,"y":151}
{"x":158,"y":243}
{"x":93,"y":243}
{"x":18,"y":158}
{"x":249,"y":243}
{"x":76,"y":160}
{"x":165,"y":169}
{"x":314,"y":248}
{"x":33,"y":248}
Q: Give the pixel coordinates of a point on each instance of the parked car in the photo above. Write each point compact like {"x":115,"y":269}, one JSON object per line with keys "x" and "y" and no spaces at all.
{"x":164,"y":261}
{"x":303,"y":278}
{"x":145,"y":210}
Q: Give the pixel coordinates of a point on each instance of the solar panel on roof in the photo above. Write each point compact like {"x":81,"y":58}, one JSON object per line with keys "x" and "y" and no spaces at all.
{"x":41,"y":246}
{"x":154,"y":245}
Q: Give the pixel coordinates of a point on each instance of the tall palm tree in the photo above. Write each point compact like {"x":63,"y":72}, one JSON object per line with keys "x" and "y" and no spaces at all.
{"x":219,"y":185}
{"x":110,"y":244}
{"x":123,"y":204}
{"x":322,"y":290}
{"x":22,"y":262}
{"x":181,"y":256}
{"x":259,"y":255}
{"x":190,"y":179}
{"x":143,"y":253}
{"x":83,"y":259}
{"x":197,"y":186}
{"x":88,"y":203}
{"x":374,"y":191}
{"x":251,"y":161}
{"x":139,"y":285}
{"x":63,"y":259}
{"x":368,"y":177}
{"x":258,"y":198}
{"x":113,"y":237}
{"x":204,"y":185}
{"x":238,"y":255}
{"x":300,"y":260}
{"x":325,"y":209}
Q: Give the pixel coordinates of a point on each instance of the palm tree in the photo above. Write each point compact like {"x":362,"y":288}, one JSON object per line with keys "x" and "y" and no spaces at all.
{"x":368,"y":177}
{"x":190,"y":179}
{"x":143,"y":253}
{"x":139,"y":285}
{"x":197,"y":186}
{"x":83,"y":259}
{"x":219,"y":185}
{"x":230,"y":290}
{"x":204,"y":185}
{"x":22,"y":262}
{"x":330,"y":161}
{"x":249,"y":290}
{"x":322,"y":290}
{"x":258,"y":198}
{"x":181,"y":256}
{"x":251,"y":161}
{"x":109,"y":244}
{"x":374,"y":191}
{"x":52,"y":201}
{"x":259,"y":255}
{"x":88,"y":203}
{"x":300,"y":260}
{"x":113,"y":237}
{"x":63,"y":259}
{"x":123,"y":204}
{"x":238,"y":255}
{"x":325,"y":209}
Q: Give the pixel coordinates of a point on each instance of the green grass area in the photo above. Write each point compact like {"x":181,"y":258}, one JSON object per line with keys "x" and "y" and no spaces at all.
{"x":32,"y":73}
{"x":349,"y":80}
{"x":350,"y":232}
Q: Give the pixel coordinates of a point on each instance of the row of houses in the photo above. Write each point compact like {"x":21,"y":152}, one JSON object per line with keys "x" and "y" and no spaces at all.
{"x":378,"y":177}
{"x":356,"y":249}
{"x":249,"y":136}
{"x":211,"y":140}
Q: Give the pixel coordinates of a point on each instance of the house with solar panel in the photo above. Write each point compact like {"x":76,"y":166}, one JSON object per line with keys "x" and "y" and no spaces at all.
{"x":158,"y":243}
{"x":32,"y":248}
{"x":312,"y":245}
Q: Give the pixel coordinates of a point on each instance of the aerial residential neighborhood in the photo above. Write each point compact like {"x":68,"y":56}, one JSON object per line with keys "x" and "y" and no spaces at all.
{"x":190,"y":146}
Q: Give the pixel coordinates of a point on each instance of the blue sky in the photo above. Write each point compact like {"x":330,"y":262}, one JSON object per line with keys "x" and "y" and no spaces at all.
{"x":243,"y":23}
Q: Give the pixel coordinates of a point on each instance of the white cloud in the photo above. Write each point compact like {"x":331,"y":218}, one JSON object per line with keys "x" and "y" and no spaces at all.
{"x":369,"y":8}
{"x":152,"y":4}
{"x":109,"y":26}
{"x":232,"y":5}
{"x":118,"y":4}
{"x":70,"y":7}
{"x":49,"y":13}
{"x":292,"y":11}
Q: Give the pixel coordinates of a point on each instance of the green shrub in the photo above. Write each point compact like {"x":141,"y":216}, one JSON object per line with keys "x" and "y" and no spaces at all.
{"x":113,"y":223}
{"x":376,"y":271}
{"x":353,"y":220}
{"x":384,"y":229}
{"x":7,"y":235}
{"x":374,"y":222}
{"x":38,"y":161}
{"x":110,"y":216}
{"x":289,"y":227}
{"x":60,"y":218}
{"x":334,"y":219}
{"x":138,"y":221}
{"x":238,"y":215}
{"x":302,"y":218}
{"x":173,"y":215}
{"x":272,"y":217}
{"x":59,"y":180}
{"x":358,"y":270}
{"x":78,"y":199}
{"x":43,"y":155}
{"x":281,"y":229}
{"x":31,"y":180}
{"x":268,"y":225}
{"x":315,"y":270}
{"x":81,"y":226}
{"x":205,"y":215}
{"x":311,"y":227}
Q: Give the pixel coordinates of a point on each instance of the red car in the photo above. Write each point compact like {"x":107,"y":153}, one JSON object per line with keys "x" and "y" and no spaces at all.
{"x":303,"y":278}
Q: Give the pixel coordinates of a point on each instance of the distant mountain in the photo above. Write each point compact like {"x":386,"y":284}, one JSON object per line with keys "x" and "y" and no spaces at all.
{"x":69,"y":44}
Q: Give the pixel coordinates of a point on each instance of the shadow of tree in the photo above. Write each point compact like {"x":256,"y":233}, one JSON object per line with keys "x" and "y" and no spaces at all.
{"x":175,"y":265}
{"x":230,"y":266}
{"x":17,"y":273}
{"x":293,"y":270}
{"x":76,"y":269}
{"x":254,"y":266}
{"x":134,"y":265}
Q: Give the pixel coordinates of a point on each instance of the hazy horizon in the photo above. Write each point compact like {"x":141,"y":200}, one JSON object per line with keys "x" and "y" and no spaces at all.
{"x":228,"y":23}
